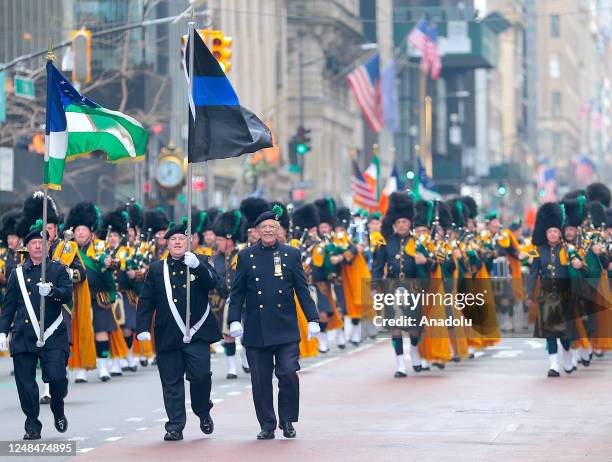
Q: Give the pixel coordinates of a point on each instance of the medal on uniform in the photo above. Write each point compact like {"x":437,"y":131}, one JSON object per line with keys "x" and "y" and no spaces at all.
{"x":277,"y":265}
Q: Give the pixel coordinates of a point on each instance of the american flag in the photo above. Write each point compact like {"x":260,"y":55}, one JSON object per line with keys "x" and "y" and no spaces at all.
{"x":584,"y":169}
{"x":363,"y":194}
{"x":547,"y":183}
{"x":418,"y":36}
{"x":432,"y":52}
{"x":365,"y":83}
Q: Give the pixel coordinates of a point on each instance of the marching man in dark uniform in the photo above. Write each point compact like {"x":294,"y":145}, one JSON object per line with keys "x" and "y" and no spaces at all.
{"x":21,"y":309}
{"x":268,"y":274}
{"x":180,"y":352}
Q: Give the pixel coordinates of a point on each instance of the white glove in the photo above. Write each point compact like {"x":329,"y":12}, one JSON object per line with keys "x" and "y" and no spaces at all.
{"x":44,"y":289}
{"x":313,"y":329}
{"x":191,"y":260}
{"x":70,"y":273}
{"x":3,"y":344}
{"x":236,"y":329}
{"x":143,"y":336}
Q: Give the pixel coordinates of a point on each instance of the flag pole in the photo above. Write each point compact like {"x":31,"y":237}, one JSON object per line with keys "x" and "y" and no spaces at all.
{"x":187,"y":337}
{"x":43,"y":267}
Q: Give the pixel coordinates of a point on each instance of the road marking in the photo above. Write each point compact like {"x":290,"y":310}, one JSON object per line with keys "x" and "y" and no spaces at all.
{"x":134,"y":419}
{"x":478,"y":354}
{"x":361,"y":348}
{"x":507,"y":354}
{"x":114,"y":438}
{"x":106,"y":429}
{"x":217,"y":400}
{"x":512,"y":427}
{"x":534,"y":344}
{"x":225,"y":386}
{"x":164,"y":419}
{"x":140,"y":429}
{"x":78,"y":438}
{"x":83,"y":450}
{"x":248,"y":386}
{"x":498,"y":347}
{"x":322,"y":363}
{"x":233,"y":393}
{"x":159,"y":409}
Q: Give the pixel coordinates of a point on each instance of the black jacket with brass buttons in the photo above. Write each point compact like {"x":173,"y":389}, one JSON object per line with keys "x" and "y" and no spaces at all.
{"x":270,"y":311}
{"x":23,"y":337}
{"x":153,"y":301}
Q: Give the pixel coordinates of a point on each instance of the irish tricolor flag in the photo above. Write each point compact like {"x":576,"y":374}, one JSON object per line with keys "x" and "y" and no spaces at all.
{"x":76,"y":126}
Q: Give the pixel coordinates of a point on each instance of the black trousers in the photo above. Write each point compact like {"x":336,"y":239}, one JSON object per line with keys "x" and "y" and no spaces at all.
{"x":193,"y":363}
{"x":283,"y":361}
{"x":53,"y":365}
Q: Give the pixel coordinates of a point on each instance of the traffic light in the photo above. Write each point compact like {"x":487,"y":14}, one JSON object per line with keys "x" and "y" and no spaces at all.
{"x":501,"y":190}
{"x":219,"y":45}
{"x":302,"y":139}
{"x":294,"y":166}
{"x":222,"y":50}
{"x":81,"y":54}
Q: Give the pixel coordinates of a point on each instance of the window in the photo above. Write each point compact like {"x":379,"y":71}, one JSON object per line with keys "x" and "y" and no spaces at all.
{"x":555,"y":106}
{"x":555,"y":26}
{"x":556,"y":144}
{"x":554,"y":66}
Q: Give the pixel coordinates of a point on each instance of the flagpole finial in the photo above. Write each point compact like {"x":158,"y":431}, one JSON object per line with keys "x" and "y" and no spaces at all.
{"x":50,"y":55}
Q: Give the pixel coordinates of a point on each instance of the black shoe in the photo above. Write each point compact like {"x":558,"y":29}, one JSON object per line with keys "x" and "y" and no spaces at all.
{"x":288,"y":430}
{"x":553,"y":373}
{"x":456,"y":359}
{"x":472,"y":356}
{"x":31,"y":436}
{"x":154,"y":362}
{"x":116,"y":374}
{"x":355,"y":344}
{"x":61,"y":423}
{"x":246,"y":370}
{"x":132,"y":369}
{"x":418,"y":368}
{"x":80,"y":381}
{"x":399,"y":375}
{"x":105,"y":378}
{"x":599,"y":355}
{"x":45,"y":399}
{"x":173,"y":436}
{"x":342,"y":347}
{"x":324,"y":352}
{"x":570,"y":371}
{"x":586,"y":362}
{"x":207,"y":425}
{"x":439,"y":365}
{"x":424,"y":369}
{"x":265,"y":435}
{"x":231,"y":376}
{"x":124,"y":368}
{"x":144,"y":362}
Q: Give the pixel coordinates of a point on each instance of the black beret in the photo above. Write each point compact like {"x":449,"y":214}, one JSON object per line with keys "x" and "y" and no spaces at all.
{"x":180,"y":228}
{"x":35,"y":233}
{"x":269,"y":215}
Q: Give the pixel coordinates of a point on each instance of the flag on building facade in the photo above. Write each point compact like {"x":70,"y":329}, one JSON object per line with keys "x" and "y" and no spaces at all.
{"x":418,"y":36}
{"x":366,"y":85}
{"x":393,"y":184}
{"x":424,"y":187}
{"x":76,"y":126}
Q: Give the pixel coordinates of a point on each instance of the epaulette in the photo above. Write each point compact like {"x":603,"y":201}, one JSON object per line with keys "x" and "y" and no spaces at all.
{"x":504,"y":240}
{"x":318,"y":255}
{"x":377,"y":239}
{"x":410,"y":248}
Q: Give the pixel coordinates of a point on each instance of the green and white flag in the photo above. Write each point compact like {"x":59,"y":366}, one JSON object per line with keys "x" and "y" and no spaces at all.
{"x":76,"y":126}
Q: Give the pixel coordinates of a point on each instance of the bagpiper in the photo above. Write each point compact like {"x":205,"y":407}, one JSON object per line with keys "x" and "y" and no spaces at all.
{"x":230,"y":230}
{"x":84,"y":218}
{"x":397,"y":268}
{"x":549,"y":287}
